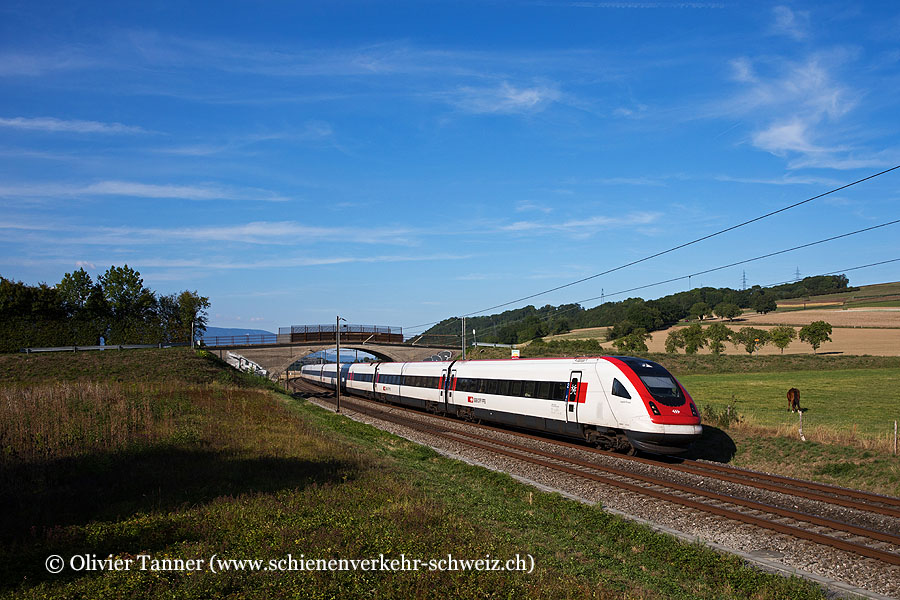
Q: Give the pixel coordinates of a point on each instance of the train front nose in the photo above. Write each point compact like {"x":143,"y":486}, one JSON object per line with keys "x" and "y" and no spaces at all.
{"x":671,"y":439}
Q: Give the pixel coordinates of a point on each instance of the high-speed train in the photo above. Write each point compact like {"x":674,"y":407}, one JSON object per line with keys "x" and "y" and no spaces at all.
{"x":615,"y":402}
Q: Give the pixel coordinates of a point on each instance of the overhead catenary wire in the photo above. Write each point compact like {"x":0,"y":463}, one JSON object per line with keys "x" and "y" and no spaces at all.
{"x":719,"y":268}
{"x":562,"y":312}
{"x":667,"y":251}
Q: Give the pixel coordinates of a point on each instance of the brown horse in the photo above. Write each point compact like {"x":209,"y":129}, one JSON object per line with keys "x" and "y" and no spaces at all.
{"x":793,"y":398}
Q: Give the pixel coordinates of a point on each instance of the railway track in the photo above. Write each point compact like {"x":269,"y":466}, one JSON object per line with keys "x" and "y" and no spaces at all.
{"x":876,"y":543}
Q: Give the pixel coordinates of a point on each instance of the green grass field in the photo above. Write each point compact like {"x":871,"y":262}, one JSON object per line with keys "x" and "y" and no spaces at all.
{"x":848,"y":423}
{"x":178,"y":457}
{"x":862,"y":400}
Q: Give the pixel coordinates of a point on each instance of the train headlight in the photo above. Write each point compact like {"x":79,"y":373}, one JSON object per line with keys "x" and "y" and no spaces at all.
{"x":653,"y":408}
{"x":694,"y":409}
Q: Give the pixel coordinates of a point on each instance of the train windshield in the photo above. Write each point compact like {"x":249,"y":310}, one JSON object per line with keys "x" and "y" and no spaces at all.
{"x":660,"y":383}
{"x":664,"y":389}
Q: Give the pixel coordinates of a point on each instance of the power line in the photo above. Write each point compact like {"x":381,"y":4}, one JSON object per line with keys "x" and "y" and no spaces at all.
{"x":719,"y":268}
{"x":741,"y":262}
{"x":672,"y":249}
{"x":768,"y":285}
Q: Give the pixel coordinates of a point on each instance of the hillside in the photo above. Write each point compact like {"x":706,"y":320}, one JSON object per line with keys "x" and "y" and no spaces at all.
{"x":625,"y":316}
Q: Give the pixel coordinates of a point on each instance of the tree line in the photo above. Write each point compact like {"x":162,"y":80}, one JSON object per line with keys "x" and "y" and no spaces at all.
{"x":692,"y":338}
{"x":79,"y":311}
{"x":627,"y":316}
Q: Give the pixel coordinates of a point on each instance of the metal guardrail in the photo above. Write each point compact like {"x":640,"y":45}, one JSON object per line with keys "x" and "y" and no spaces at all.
{"x":240,"y":340}
{"x":106,"y":347}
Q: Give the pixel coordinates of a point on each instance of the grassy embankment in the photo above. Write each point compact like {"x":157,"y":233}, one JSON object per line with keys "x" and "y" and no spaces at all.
{"x":173,"y":455}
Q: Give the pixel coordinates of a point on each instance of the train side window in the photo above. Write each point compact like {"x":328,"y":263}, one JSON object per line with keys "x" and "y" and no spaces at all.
{"x":490,"y":386}
{"x":503,"y":387}
{"x":558,"y":390}
{"x":528,"y":389}
{"x":515,"y":388}
{"x":543,"y":390}
{"x":619,"y":390}
{"x":481,"y":386}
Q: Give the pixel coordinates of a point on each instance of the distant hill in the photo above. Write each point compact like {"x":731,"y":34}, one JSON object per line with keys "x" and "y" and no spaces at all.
{"x":624,"y":316}
{"x":233,"y":331}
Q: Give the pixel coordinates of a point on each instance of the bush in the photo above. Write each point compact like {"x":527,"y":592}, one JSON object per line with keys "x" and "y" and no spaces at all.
{"x":723,"y":418}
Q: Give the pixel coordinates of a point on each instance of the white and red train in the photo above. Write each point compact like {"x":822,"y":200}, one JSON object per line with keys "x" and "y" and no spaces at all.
{"x":616,"y":402}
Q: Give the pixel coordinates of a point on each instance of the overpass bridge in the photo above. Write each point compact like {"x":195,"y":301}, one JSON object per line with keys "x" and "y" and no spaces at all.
{"x":277,"y":353}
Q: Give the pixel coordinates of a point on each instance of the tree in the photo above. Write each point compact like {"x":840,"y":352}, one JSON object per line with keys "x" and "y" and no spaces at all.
{"x":131,"y":306}
{"x":815,"y":333}
{"x":75,"y":290}
{"x":718,"y":334}
{"x":643,"y":316}
{"x":764,"y":303}
{"x":674,"y":341}
{"x":750,"y":338}
{"x":560,"y":326}
{"x":782,"y":336}
{"x":634,"y":342}
{"x":192,"y":309}
{"x":700,"y":310}
{"x":727,"y":310}
{"x":694,"y":338}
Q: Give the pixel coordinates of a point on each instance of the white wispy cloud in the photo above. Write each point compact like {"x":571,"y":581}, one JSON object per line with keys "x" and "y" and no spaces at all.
{"x":134,"y":189}
{"x":257,"y":233}
{"x":25,"y":64}
{"x":54,"y":125}
{"x":504,"y":99}
{"x":794,"y":24}
{"x":784,"y":180}
{"x":583,"y":227}
{"x":802,"y":107}
{"x":230,"y":264}
{"x":527,"y":206}
{"x":311,"y":131}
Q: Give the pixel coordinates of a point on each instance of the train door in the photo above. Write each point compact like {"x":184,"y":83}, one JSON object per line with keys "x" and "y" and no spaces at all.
{"x":572,"y":395}
{"x":442,"y":385}
{"x":344,"y":373}
{"x":376,"y":393}
{"x":451,"y":386}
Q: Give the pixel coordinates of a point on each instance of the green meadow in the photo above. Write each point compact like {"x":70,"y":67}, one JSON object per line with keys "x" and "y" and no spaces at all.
{"x":176,"y":457}
{"x":864,"y":402}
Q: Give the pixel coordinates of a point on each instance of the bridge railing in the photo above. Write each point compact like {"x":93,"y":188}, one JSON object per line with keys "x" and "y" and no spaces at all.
{"x":349,"y":333}
{"x":240,"y":340}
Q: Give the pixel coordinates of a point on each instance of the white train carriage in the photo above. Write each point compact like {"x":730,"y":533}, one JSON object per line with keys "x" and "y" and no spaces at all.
{"x":420,"y":385}
{"x":621,"y":403}
{"x":360,"y":379}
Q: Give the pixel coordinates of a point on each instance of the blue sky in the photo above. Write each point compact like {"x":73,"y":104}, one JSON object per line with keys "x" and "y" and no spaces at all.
{"x":401,"y":162}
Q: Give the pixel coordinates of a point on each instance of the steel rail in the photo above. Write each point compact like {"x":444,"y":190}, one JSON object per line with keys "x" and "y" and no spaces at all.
{"x":751,"y":504}
{"x":790,"y":481}
{"x":779,"y":484}
{"x":520,"y":453}
{"x":739,"y":476}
